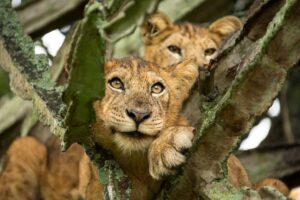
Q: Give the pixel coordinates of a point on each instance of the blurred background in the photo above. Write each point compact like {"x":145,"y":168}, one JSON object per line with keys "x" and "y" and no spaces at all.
{"x":271,"y":149}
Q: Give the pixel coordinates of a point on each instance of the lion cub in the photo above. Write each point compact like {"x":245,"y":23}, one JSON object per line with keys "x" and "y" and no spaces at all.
{"x":139,"y":119}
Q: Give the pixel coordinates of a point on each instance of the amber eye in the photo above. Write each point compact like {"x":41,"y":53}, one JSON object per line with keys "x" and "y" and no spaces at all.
{"x":116,"y":83}
{"x":157,"y":88}
{"x":174,"y":49}
{"x":209,"y":51}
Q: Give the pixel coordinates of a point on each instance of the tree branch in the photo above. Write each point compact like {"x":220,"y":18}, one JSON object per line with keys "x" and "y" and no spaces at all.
{"x":277,"y":162}
{"x":28,"y":73}
{"x":285,"y":114}
{"x":49,"y":15}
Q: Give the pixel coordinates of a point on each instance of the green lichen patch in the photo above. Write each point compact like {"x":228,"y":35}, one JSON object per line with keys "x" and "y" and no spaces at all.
{"x":28,"y":73}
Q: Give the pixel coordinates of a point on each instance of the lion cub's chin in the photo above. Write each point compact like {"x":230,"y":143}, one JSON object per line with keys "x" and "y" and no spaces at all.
{"x":132,"y":142}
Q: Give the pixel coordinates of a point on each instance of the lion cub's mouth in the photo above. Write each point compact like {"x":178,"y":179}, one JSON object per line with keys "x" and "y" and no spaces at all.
{"x":133,"y":141}
{"x":135,"y":134}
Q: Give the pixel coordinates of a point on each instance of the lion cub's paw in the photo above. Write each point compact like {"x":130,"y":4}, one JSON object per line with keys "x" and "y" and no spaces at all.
{"x":167,"y":151}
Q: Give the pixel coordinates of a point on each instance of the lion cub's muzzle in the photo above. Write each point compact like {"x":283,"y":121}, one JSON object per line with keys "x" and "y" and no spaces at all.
{"x":138,"y":116}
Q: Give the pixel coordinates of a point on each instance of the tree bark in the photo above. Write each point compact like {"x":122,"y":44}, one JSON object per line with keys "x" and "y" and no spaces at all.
{"x":40,"y":17}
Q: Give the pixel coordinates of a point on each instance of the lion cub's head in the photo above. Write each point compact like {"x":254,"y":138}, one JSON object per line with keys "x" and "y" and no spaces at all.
{"x":168,"y":43}
{"x":142,"y":98}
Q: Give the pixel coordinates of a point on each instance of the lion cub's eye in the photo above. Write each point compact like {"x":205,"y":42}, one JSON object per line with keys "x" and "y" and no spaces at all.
{"x":175,"y":49}
{"x":116,"y":83}
{"x":157,"y":88}
{"x":209,"y":51}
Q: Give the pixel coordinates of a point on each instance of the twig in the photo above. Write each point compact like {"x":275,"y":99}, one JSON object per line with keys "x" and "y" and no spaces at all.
{"x":287,"y":126}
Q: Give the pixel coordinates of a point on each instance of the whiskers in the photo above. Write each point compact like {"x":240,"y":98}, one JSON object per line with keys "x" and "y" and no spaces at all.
{"x":129,"y":145}
{"x":121,"y":123}
{"x":152,"y":127}
{"x":125,"y":127}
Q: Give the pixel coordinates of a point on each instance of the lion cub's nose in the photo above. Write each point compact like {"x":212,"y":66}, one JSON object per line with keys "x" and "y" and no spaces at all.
{"x":138,"y":116}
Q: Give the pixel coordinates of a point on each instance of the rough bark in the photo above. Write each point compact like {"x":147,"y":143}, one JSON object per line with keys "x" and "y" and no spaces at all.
{"x":28,"y":73}
{"x":40,"y":17}
{"x":289,"y":113}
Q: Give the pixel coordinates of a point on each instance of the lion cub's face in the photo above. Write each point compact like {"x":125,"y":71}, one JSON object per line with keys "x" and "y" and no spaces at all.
{"x":168,"y":43}
{"x":143,"y":98}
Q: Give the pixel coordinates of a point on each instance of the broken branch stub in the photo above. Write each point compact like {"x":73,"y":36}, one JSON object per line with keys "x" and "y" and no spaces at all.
{"x":261,"y":71}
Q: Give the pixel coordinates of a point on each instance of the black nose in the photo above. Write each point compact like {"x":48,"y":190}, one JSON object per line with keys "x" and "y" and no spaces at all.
{"x":138,"y":116}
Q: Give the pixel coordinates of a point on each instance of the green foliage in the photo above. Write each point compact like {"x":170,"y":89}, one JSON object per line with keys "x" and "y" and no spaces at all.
{"x":132,"y":15}
{"x":86,"y":79}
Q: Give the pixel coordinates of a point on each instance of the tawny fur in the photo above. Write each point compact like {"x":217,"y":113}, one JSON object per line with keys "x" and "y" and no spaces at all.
{"x":295,"y":193}
{"x":35,"y":171}
{"x":23,"y":167}
{"x":275,"y":183}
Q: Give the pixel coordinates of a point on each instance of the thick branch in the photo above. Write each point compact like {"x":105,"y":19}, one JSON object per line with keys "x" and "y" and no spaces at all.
{"x":273,"y":162}
{"x":42,"y":16}
{"x":11,"y":111}
{"x":28,"y":73}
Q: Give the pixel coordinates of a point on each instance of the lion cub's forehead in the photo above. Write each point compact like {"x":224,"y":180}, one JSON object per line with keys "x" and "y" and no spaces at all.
{"x":192,"y":31}
{"x":189,"y":33}
{"x":132,"y":67}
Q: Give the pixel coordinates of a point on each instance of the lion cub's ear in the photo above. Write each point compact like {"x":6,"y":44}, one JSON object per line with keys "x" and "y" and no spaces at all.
{"x":225,"y":26}
{"x":156,"y":27}
{"x":185,"y":75}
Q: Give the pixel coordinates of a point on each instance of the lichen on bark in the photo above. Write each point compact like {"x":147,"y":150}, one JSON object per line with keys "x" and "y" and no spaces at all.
{"x":28,"y":73}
